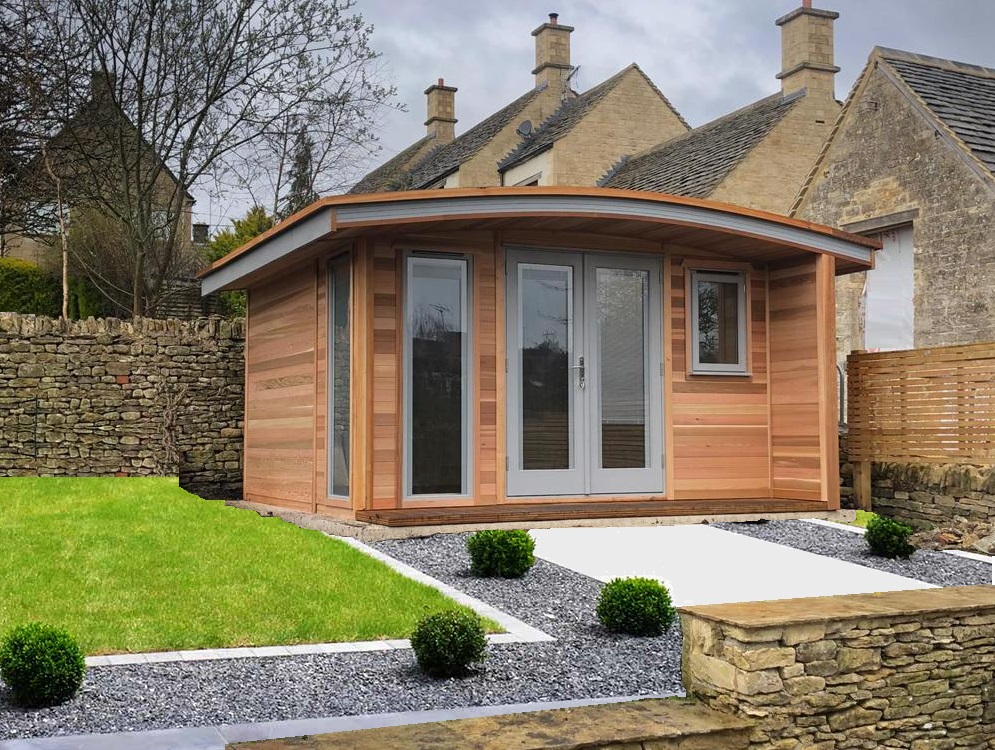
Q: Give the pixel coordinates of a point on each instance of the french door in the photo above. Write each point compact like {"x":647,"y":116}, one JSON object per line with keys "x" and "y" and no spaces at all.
{"x":585,"y":412}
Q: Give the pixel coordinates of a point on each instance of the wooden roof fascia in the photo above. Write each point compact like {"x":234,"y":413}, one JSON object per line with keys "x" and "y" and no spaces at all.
{"x":357,"y":211}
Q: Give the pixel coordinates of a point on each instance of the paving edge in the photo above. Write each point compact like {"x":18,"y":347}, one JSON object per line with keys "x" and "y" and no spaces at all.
{"x":516,"y":631}
{"x":217,"y":737}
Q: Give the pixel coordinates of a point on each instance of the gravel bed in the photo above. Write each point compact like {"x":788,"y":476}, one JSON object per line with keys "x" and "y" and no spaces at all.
{"x":584,"y":662}
{"x":938,"y":568}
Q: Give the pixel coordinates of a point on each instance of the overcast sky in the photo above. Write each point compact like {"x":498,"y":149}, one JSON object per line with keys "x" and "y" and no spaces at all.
{"x":709,"y":57}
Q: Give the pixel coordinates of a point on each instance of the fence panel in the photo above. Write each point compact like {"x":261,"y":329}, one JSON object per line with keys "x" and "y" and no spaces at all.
{"x":923,"y":405}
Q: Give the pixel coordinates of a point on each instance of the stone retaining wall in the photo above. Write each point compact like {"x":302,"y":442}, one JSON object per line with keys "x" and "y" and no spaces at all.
{"x":924,"y":495}
{"x":907,"y":669}
{"x":126,"y":398}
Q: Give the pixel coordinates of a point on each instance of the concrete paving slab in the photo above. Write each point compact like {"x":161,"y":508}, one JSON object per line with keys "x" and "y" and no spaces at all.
{"x":705,"y":565}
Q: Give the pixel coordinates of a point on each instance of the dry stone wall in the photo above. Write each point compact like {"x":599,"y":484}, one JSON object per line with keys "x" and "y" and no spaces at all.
{"x":924,"y":495}
{"x":123,"y":398}
{"x":904,"y":669}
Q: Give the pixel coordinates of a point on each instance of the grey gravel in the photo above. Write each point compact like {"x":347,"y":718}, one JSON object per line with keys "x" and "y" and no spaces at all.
{"x":585,"y":662}
{"x":938,"y":568}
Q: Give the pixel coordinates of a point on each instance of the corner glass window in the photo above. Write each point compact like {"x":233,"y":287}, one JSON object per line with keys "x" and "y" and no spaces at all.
{"x":718,"y":323}
{"x":437,"y":376}
{"x":338,"y":378}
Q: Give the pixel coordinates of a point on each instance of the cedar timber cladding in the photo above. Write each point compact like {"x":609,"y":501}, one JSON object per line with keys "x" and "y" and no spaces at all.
{"x":765,"y":439}
{"x":280,"y":391}
{"x":720,"y":440}
{"x":802,"y":403}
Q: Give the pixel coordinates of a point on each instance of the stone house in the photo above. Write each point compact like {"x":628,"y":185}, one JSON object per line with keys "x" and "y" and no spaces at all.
{"x":757,"y":156}
{"x":624,"y":133}
{"x":911,"y":161}
{"x":551,"y":135}
{"x":76,"y":155}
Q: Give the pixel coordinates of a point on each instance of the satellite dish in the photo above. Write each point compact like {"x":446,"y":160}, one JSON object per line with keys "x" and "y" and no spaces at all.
{"x":525,"y":129}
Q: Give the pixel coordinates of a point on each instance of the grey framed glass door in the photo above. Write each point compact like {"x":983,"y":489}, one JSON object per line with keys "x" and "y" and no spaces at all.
{"x":584,"y":374}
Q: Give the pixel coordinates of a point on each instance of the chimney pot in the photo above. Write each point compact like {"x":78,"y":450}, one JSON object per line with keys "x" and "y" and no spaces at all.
{"x":442,"y":82}
{"x":806,"y":3}
{"x":554,"y":17}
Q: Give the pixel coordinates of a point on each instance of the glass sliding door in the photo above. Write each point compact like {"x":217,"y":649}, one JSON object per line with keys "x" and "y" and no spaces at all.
{"x":436,"y":376}
{"x":338,"y":377}
{"x":585,"y":388}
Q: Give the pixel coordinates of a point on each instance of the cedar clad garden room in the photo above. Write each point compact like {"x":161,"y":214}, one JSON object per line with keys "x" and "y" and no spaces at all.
{"x":517,"y":354}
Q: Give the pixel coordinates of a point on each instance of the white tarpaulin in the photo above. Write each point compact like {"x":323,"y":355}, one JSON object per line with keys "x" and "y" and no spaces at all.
{"x":888,"y":294}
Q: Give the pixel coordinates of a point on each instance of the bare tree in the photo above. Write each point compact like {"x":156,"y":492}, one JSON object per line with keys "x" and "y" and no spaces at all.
{"x":189,"y":91}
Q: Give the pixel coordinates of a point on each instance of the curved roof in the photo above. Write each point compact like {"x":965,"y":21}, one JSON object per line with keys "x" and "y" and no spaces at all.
{"x":713,"y":227}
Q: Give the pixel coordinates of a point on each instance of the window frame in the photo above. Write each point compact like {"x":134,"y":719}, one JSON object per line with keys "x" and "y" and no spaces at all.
{"x":719,"y":275}
{"x":407,"y":352}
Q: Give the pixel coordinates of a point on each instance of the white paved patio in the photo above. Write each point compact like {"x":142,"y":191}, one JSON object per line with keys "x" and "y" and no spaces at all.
{"x":704,"y":565}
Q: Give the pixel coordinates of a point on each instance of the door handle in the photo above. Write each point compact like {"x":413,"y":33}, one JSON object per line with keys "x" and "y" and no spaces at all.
{"x":580,"y":366}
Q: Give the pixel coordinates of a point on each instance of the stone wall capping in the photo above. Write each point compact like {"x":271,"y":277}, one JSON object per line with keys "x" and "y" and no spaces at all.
{"x":824,"y":609}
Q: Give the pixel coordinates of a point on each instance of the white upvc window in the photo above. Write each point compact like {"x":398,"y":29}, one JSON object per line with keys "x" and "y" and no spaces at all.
{"x":718,"y":322}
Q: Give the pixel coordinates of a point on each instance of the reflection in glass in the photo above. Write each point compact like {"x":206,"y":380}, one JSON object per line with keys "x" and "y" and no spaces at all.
{"x":546,"y":312}
{"x":718,"y":321}
{"x":339,"y":379}
{"x":622,"y":340}
{"x":436,"y":323}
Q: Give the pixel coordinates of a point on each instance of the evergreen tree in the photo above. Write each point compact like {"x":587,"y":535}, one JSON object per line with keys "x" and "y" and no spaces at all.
{"x":302,"y":176}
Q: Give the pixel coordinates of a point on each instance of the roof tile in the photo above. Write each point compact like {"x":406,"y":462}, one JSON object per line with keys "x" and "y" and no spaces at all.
{"x":694,"y":164}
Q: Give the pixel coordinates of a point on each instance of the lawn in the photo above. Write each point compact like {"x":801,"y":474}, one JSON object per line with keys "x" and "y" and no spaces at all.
{"x":130,"y":565}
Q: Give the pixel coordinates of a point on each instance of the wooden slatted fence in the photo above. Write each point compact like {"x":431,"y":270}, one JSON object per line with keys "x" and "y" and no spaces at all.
{"x":920,"y":406}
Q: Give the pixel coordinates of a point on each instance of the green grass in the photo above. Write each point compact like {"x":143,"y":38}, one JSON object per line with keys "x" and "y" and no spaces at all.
{"x":863,"y":516}
{"x":130,"y":565}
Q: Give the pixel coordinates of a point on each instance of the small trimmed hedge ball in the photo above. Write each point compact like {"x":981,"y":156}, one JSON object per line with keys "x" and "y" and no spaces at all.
{"x":447,"y":643}
{"x":42,"y":665}
{"x":888,"y":538}
{"x":635,"y":606}
{"x":501,"y":552}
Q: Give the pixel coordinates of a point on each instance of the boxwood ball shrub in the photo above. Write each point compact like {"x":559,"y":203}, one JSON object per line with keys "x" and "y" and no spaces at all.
{"x":635,"y":606}
{"x":447,"y":643}
{"x":500,"y":552}
{"x":888,"y":538}
{"x":42,"y":665}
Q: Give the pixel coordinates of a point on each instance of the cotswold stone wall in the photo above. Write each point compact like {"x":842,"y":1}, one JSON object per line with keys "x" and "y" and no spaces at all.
{"x":924,"y":495}
{"x":904,"y":669}
{"x":123,"y":398}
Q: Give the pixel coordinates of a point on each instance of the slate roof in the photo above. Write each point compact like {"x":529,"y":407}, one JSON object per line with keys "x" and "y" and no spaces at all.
{"x":570,"y":114}
{"x":390,"y":175}
{"x":962,"y":96}
{"x":694,"y":164}
{"x":446,"y":159}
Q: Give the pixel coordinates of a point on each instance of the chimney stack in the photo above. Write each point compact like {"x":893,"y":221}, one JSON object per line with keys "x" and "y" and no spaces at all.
{"x":807,"y":60}
{"x":552,"y":53}
{"x":441,"y":121}
{"x":201,"y":234}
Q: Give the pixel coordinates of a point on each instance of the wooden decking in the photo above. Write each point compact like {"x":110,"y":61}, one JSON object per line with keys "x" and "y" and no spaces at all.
{"x":567,"y":511}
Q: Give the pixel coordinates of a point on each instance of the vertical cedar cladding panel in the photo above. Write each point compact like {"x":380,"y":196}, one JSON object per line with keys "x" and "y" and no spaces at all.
{"x":280,"y":391}
{"x":388,"y":330}
{"x":720,"y":423}
{"x":796,"y":422}
{"x":484,"y":329}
